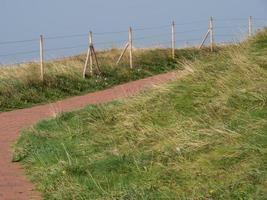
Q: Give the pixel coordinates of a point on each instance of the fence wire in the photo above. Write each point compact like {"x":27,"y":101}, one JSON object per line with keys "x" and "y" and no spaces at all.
{"x":191,"y":33}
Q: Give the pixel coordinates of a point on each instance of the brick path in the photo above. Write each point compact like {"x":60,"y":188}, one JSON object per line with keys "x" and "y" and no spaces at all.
{"x":13,"y":183}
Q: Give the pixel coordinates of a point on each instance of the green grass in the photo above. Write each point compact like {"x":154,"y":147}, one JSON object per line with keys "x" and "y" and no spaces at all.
{"x":202,"y":137}
{"x":20,"y":86}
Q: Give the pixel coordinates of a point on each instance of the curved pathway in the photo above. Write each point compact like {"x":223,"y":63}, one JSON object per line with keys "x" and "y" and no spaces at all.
{"x":13,"y":183}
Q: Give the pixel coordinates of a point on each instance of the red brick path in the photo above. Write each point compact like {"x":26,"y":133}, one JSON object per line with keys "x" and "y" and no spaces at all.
{"x":13,"y":183}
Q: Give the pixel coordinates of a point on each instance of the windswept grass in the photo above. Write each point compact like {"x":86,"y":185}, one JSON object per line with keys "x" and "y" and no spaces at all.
{"x":20,"y":85}
{"x":203,"y":137}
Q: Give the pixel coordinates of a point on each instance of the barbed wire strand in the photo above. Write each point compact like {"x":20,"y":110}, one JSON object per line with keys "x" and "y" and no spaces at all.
{"x":66,"y":48}
{"x":18,"y":41}
{"x":117,"y":32}
{"x":65,"y":36}
{"x":19,"y":53}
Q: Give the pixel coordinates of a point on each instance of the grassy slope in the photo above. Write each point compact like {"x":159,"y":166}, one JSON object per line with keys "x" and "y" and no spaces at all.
{"x":21,"y":87}
{"x":204,"y":137}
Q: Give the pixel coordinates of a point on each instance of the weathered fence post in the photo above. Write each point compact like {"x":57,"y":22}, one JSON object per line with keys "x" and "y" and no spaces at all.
{"x":42,"y":57}
{"x":89,"y":57}
{"x":173,"y":39}
{"x":204,"y":39}
{"x":123,"y":52}
{"x":131,"y":46}
{"x":211,"y":34}
{"x":90,"y":52}
{"x":250,"y":31}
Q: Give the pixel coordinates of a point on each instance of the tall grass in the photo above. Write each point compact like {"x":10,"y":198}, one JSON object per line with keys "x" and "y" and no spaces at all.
{"x":20,"y":85}
{"x":203,"y":137}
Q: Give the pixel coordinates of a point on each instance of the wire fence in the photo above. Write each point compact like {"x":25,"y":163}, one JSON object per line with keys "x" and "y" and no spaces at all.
{"x":187,"y":34}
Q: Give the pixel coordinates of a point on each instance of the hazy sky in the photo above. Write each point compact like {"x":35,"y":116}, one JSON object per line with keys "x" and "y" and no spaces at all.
{"x":26,"y":19}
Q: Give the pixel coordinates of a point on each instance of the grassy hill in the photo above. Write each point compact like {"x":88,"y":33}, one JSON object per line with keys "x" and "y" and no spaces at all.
{"x":203,"y":137}
{"x":20,"y":85}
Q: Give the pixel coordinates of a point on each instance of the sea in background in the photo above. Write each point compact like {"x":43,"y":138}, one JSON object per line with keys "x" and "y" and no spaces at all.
{"x":65,"y":24}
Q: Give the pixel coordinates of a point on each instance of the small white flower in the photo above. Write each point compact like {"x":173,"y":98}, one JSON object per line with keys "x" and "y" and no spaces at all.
{"x":178,"y":149}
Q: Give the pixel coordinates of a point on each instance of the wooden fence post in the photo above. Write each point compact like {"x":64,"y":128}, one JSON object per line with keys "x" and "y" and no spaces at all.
{"x":173,"y":39}
{"x":87,"y":56}
{"x":250,"y":32}
{"x":42,"y":57}
{"x":93,"y":53}
{"x":90,"y":52}
{"x":211,"y":34}
{"x":131,"y":46}
{"x":122,"y":53}
{"x":204,"y":40}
